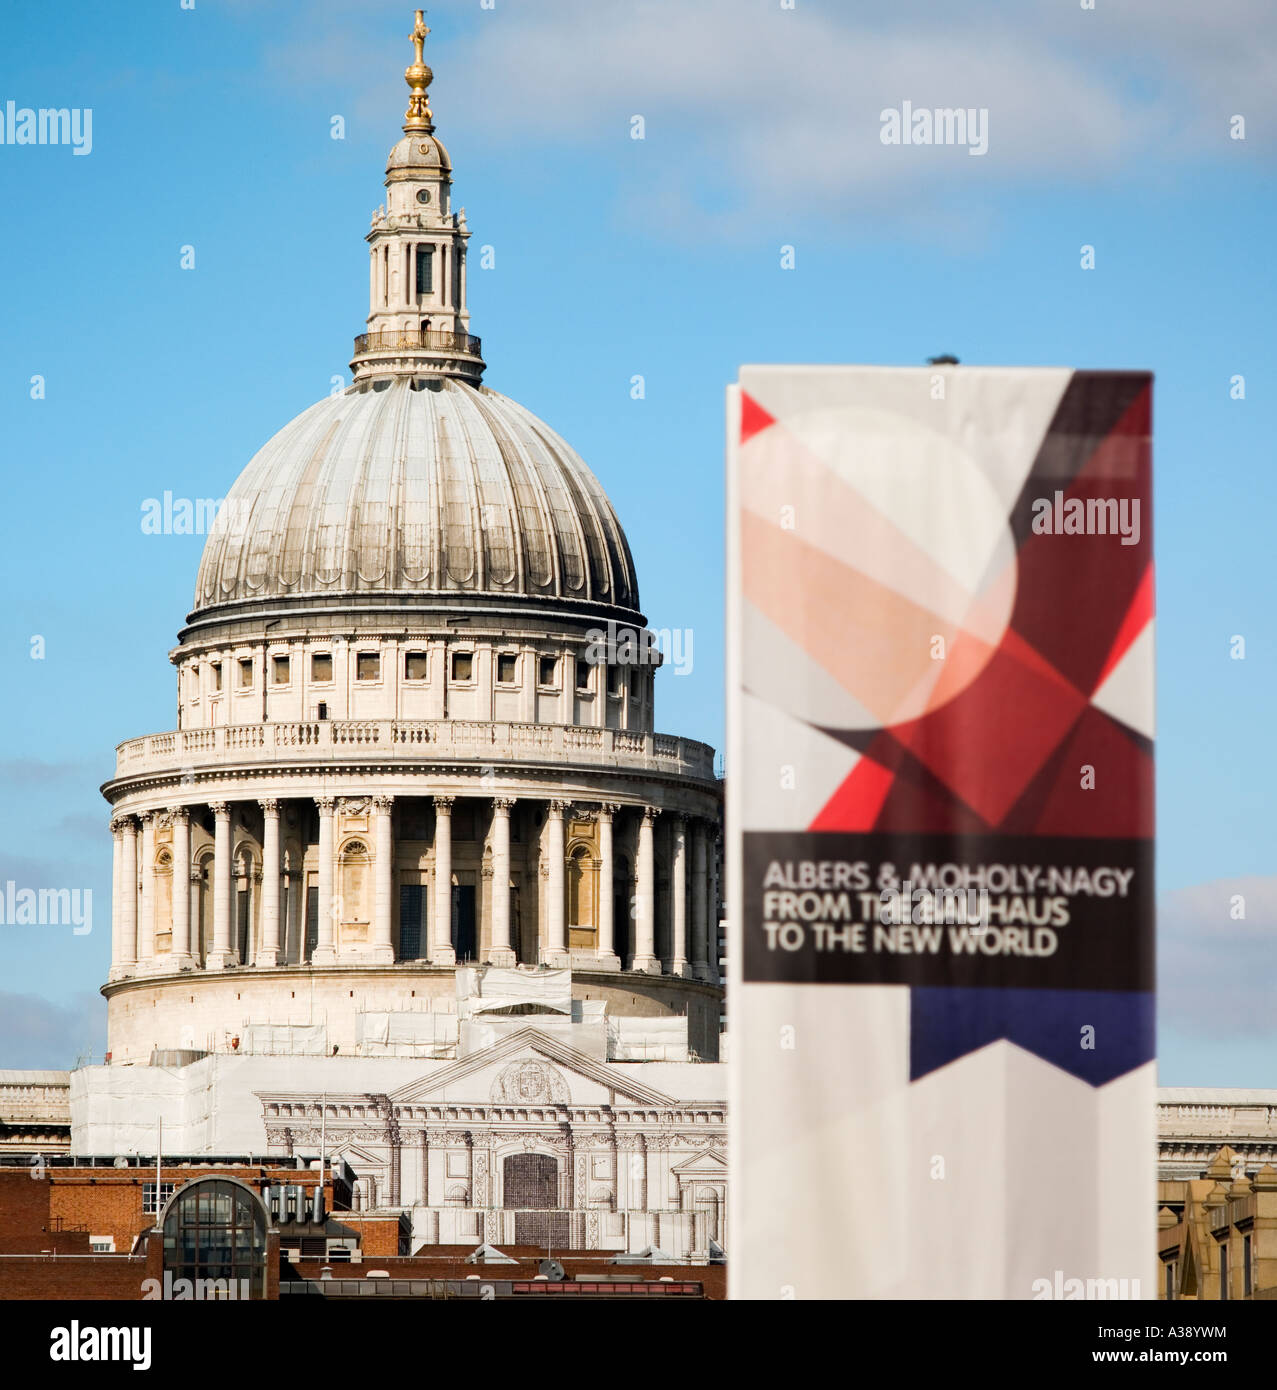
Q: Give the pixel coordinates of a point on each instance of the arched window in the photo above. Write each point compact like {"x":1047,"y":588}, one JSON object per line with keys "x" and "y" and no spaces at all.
{"x":355,"y":889}
{"x":165,"y":881}
{"x":245,"y":907}
{"x":582,"y":918}
{"x":204,"y":937}
{"x":214,"y":1232}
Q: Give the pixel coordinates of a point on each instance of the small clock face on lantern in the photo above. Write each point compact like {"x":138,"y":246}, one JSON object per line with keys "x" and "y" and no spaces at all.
{"x":423,"y":195}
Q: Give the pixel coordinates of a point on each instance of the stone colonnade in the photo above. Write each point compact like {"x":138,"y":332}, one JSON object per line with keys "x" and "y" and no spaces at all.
{"x":140,"y":919}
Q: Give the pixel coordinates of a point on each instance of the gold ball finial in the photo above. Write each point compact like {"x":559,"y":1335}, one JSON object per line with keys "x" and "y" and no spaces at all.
{"x":418,"y":77}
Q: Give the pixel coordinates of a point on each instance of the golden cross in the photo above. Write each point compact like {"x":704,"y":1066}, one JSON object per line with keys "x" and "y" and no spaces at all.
{"x":419,"y":32}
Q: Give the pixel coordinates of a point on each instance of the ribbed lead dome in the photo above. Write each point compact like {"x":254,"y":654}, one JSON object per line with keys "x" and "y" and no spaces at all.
{"x":421,"y":487}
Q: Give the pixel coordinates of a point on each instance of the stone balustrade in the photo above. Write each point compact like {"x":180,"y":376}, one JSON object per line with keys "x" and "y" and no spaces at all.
{"x":338,"y":741}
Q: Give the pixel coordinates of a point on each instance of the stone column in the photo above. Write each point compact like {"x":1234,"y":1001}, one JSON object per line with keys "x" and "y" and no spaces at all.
{"x":607,"y":957}
{"x":272,"y":869}
{"x":220,"y":956}
{"x":640,"y":1165}
{"x":442,"y":951}
{"x":324,"y":953}
{"x":181,"y":887}
{"x":700,"y":885}
{"x":500,"y":951}
{"x":645,"y":898}
{"x":117,"y":860}
{"x":678,"y":894}
{"x":124,"y":927}
{"x":146,"y":926}
{"x":555,"y":950}
{"x":425,"y":1168}
{"x":711,"y":922}
{"x":383,"y":948}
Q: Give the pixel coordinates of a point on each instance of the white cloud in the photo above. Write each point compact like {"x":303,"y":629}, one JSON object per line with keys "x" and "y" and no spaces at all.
{"x":780,"y":108}
{"x":37,"y":1033}
{"x":1217,"y":975}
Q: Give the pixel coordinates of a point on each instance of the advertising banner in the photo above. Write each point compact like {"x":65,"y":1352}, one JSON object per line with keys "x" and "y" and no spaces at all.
{"x":940,"y":821}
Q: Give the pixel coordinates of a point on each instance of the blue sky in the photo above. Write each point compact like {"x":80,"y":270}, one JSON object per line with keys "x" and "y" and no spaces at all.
{"x":615,"y":257}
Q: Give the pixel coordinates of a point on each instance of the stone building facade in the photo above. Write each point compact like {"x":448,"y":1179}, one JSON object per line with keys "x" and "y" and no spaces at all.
{"x":416,"y":817}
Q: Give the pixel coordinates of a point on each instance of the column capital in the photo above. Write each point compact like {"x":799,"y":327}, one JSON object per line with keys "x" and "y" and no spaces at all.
{"x":180,"y":815}
{"x":502,"y":805}
{"x":270,"y":805}
{"x":443,"y":805}
{"x":383,"y":805}
{"x":650,"y":813}
{"x":327,"y":805}
{"x":607,"y":809}
{"x":123,"y":825}
{"x":557,"y":807}
{"x":146,"y":818}
{"x":220,"y":809}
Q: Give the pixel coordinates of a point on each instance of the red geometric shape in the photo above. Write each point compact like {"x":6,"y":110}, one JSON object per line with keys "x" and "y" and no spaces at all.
{"x":1137,"y":616}
{"x":918,"y":804}
{"x":1075,"y":590}
{"x":988,"y":743}
{"x":856,"y":803}
{"x":1121,"y":802}
{"x":753,"y":418}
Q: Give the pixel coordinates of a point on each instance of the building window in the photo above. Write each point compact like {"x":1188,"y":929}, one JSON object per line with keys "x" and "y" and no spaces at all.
{"x":507,"y":668}
{"x":1223,"y":1271}
{"x":582,"y":673}
{"x":150,"y":1207}
{"x":281,"y":670}
{"x":416,"y":666}
{"x":462,"y":666}
{"x":548,"y":668}
{"x":215,"y":1231}
{"x":322,"y":712}
{"x":217,"y":675}
{"x":613,"y":680}
{"x":425,"y":270}
{"x":636,"y":685}
{"x":1247,"y":1278}
{"x":368,"y":666}
{"x":321,"y":666}
{"x":246,"y":673}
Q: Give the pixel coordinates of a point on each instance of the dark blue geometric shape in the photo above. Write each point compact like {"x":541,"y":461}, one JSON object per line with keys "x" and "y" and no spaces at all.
{"x":945,"y":1024}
